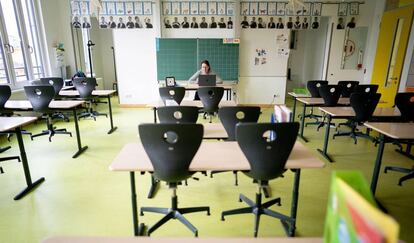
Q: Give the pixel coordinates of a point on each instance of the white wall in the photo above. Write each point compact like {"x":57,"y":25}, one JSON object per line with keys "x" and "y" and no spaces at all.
{"x":136,"y":65}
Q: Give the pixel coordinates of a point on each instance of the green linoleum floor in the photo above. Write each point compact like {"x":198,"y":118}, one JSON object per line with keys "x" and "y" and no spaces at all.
{"x":82,"y":197}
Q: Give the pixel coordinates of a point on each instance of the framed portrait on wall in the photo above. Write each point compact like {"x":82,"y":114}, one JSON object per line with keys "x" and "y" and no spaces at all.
{"x":147,"y":8}
{"x":194,"y":7}
{"x":176,"y":8}
{"x":202,"y":8}
{"x":84,"y":8}
{"x":342,"y":9}
{"x":316,"y":9}
{"x":230,"y":8}
{"x":306,"y":9}
{"x":281,"y":9}
{"x":271,"y":8}
{"x":138,"y":8}
{"x":129,"y":8}
{"x":120,"y":8}
{"x":253,"y":8}
{"x":289,"y":9}
{"x":75,"y":9}
{"x":354,"y":8}
{"x":212,"y":8}
{"x":263,"y":8}
{"x":110,"y":7}
{"x":244,"y":8}
{"x":185,"y":8}
{"x":221,"y":8}
{"x":166,"y":8}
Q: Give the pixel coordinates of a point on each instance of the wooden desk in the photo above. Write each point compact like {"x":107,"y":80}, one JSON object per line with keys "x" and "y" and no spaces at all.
{"x":295,"y":96}
{"x":98,"y":93}
{"x":227,"y":87}
{"x":75,"y":239}
{"x":348,"y":112}
{"x":214,"y":131}
{"x":313,"y":102}
{"x":388,"y":131}
{"x":217,"y":156}
{"x":197,"y":103}
{"x":25,"y":105}
{"x":13,"y":124}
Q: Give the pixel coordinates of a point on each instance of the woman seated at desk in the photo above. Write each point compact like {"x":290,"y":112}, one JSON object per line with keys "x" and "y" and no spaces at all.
{"x":205,"y":70}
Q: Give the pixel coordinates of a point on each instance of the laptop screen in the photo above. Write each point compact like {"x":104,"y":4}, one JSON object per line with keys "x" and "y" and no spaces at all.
{"x":207,"y":80}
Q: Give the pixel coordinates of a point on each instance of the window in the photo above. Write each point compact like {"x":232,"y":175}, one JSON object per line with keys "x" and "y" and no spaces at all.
{"x":20,"y":53}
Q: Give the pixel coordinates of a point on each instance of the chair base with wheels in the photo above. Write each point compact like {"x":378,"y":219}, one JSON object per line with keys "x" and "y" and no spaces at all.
{"x":91,"y":113}
{"x":409,"y":172}
{"x":51,"y":131}
{"x":353,"y":134}
{"x":7,"y":158}
{"x":258,"y":208}
{"x":174,"y":213}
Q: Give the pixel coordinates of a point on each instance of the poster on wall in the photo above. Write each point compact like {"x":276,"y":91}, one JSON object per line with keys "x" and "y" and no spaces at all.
{"x":253,"y":8}
{"x":281,"y":9}
{"x":316,"y":9}
{"x":244,"y":8}
{"x":120,"y":8}
{"x":176,"y":8}
{"x":271,"y":8}
{"x":202,"y":7}
{"x":194,"y":8}
{"x":212,"y":8}
{"x":263,"y":8}
{"x":221,"y":8}
{"x":129,"y":8}
{"x":185,"y":8}
{"x":166,"y":6}
{"x":230,"y":8}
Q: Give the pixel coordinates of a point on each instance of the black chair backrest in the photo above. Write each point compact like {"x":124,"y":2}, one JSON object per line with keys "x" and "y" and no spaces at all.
{"x":330,"y":94}
{"x":178,"y":114}
{"x":405,"y":103}
{"x":172,"y":93}
{"x":232,"y":115}
{"x":210,"y":97}
{"x":313,"y":87}
{"x":171,"y":148}
{"x":348,"y":87}
{"x":5,"y":93}
{"x":85,"y":86}
{"x":267,"y":156}
{"x":364,"y":105}
{"x":40,"y":96}
{"x":366,"y":88}
{"x":56,"y":82}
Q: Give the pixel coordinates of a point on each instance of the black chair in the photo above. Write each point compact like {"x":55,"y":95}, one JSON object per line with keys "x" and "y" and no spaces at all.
{"x":5,"y":94}
{"x":210,"y":97}
{"x":172,"y":93}
{"x":313,"y":88}
{"x":364,"y":105}
{"x":178,"y":114}
{"x":405,"y":103}
{"x":366,"y":88}
{"x":330,"y":94}
{"x":348,"y":87}
{"x":40,"y":97}
{"x":230,"y":117}
{"x":171,"y":148}
{"x":57,"y":84}
{"x":267,"y":158}
{"x":85,"y":87}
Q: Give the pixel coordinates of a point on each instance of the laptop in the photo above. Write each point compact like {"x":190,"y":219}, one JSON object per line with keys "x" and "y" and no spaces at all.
{"x":207,"y":80}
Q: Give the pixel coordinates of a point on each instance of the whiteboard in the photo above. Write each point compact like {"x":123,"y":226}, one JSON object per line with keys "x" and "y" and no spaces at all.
{"x":268,"y":64}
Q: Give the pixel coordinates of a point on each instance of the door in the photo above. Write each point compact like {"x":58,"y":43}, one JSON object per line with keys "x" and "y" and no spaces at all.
{"x":391,"y":48}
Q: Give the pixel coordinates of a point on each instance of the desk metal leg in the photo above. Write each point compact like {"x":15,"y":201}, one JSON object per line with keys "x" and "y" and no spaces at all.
{"x":407,"y":151}
{"x":302,"y":125}
{"x":30,"y":185}
{"x":294,"y":206}
{"x":324,"y":152}
{"x":138,"y":228}
{"x":80,"y":148}
{"x":154,"y":187}
{"x":378,"y":161}
{"x":294,"y":109}
{"x":110,"y":116}
{"x":154,"y":109}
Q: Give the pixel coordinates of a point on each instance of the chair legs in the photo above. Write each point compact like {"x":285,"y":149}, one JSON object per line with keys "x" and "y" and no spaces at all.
{"x":174,"y":213}
{"x":236,"y":179}
{"x":91,"y":113}
{"x":257,"y":208}
{"x":409,"y":172}
{"x":7,"y":158}
{"x":353,"y":134}
{"x":51,"y":131}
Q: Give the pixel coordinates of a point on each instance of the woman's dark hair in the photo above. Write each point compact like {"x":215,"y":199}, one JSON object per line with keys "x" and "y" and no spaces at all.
{"x":205,"y":62}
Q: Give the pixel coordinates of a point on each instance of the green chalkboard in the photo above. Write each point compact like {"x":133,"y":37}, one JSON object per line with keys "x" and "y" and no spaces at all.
{"x":181,"y":57}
